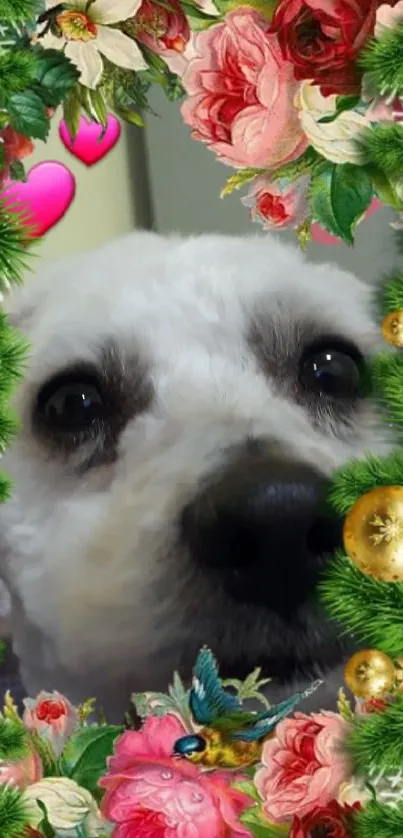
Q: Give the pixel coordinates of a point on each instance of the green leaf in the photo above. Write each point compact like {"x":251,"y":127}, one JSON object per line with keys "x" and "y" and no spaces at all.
{"x":17,"y":171}
{"x":97,"y":106}
{"x":309,"y":162}
{"x":55,"y":74}
{"x":249,"y":788}
{"x":256,"y":822}
{"x":28,"y":115}
{"x":46,"y":753}
{"x":343,"y":103}
{"x":193,"y":11}
{"x":383,"y":187}
{"x":72,"y":111}
{"x":339,"y":197}
{"x":240,"y":179}
{"x":84,"y":757}
{"x":45,"y":826}
{"x":130,"y":116}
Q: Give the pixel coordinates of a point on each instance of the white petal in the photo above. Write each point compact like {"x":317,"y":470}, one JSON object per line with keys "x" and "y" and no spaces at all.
{"x":119,"y":49}
{"x":113,"y":11}
{"x":88,"y":60}
{"x":50,"y":41}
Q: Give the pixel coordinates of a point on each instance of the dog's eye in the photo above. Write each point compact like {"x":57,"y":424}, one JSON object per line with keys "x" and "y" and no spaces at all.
{"x":334,"y":370}
{"x":70,"y":406}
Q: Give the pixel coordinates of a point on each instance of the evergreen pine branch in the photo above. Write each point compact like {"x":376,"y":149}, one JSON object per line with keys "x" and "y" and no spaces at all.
{"x":375,"y":742}
{"x":13,"y":740}
{"x":378,"y":821}
{"x":13,"y":353}
{"x":382,"y":61}
{"x":370,"y":610}
{"x":358,"y":477}
{"x":390,"y":295}
{"x":18,"y":11}
{"x":15,"y":813}
{"x":5,"y":488}
{"x":17,"y":69}
{"x":387,"y":383}
{"x":383,"y":145}
{"x":15,"y":245}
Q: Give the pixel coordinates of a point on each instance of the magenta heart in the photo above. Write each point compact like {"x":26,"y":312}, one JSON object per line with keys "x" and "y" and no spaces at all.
{"x":89,"y":145}
{"x":45,"y":196}
{"x":321,"y":236}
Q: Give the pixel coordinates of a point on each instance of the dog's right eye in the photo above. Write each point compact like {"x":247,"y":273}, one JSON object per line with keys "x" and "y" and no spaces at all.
{"x":70,"y":406}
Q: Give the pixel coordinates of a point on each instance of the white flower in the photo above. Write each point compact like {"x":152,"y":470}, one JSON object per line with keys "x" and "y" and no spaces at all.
{"x":86,"y":35}
{"x":336,"y":140}
{"x":67,"y":805}
{"x":388,"y":18}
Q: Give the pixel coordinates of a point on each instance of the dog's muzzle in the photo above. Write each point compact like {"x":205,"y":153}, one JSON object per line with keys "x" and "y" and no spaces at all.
{"x":263,"y":530}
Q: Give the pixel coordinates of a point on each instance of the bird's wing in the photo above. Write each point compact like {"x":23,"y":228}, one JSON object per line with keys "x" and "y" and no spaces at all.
{"x":208,"y":699}
{"x":265,"y":722}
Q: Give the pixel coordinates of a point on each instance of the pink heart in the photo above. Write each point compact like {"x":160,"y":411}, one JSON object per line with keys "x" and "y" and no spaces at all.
{"x":87,"y":145}
{"x":321,"y":236}
{"x":45,"y":196}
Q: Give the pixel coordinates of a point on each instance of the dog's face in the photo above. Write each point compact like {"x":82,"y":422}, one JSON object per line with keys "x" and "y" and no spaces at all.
{"x":185,"y":405}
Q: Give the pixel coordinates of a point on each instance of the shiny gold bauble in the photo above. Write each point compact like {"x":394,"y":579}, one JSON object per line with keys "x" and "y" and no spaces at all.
{"x":370,"y":674}
{"x":392,"y":328}
{"x":373,"y":533}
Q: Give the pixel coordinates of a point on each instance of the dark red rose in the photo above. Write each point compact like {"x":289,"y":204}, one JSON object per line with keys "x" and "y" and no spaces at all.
{"x":162,"y":28}
{"x":331,"y":821}
{"x":322,"y":39}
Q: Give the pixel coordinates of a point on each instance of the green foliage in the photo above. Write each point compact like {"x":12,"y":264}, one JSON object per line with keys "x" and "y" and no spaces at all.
{"x":358,"y":477}
{"x":382,"y":60}
{"x":240,"y":179}
{"x":383,"y":145}
{"x":15,"y":815}
{"x":54,"y":76}
{"x":17,"y":68}
{"x":15,"y":244}
{"x":84,"y":757}
{"x":378,"y":821}
{"x":370,"y":610}
{"x":375,"y":742}
{"x":309,"y":162}
{"x":339,"y":197}
{"x":391,"y":295}
{"x":18,"y":11}
{"x":387,"y":378}
{"x":28,"y":114}
{"x":259,"y":827}
{"x":13,"y":740}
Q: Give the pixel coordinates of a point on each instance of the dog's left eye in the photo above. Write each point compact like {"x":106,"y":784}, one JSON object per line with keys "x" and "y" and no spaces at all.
{"x":335,"y":370}
{"x":70,"y":406}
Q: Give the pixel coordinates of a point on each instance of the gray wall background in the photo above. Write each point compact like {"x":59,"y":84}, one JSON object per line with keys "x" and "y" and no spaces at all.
{"x":185,"y":181}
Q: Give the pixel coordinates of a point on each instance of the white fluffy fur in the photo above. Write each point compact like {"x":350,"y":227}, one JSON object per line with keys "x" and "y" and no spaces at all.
{"x":101,"y":603}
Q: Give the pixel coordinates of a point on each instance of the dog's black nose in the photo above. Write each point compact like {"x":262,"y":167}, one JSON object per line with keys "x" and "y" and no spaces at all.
{"x":263,"y":529}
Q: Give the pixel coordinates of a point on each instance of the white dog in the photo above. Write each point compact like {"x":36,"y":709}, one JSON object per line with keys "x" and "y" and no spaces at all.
{"x":185,"y":403}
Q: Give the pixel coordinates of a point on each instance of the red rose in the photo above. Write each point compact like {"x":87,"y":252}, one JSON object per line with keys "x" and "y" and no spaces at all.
{"x":322,"y":39}
{"x":331,"y":821}
{"x":162,"y":28}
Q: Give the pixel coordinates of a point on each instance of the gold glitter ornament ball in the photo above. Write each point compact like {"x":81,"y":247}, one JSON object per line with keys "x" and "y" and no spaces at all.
{"x":392,"y":328}
{"x":373,"y":534}
{"x":370,"y":674}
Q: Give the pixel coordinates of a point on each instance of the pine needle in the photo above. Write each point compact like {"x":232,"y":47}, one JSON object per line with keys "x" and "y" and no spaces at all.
{"x":15,"y":813}
{"x":358,"y":477}
{"x":13,"y":740}
{"x":383,"y":145}
{"x":370,"y":610}
{"x":15,"y":244}
{"x":387,"y":382}
{"x":378,"y":821}
{"x":376,"y":741}
{"x":382,"y":60}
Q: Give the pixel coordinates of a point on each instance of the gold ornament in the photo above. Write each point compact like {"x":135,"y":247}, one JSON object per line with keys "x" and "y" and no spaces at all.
{"x":373,"y":533}
{"x":392,"y":328}
{"x":370,"y":674}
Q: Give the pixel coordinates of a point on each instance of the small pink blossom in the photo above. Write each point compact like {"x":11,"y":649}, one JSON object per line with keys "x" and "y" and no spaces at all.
{"x":148,"y":792}
{"x":277,"y":207}
{"x":21,"y":773}
{"x":52,"y":716}
{"x":303,"y":766}
{"x":241,"y":94}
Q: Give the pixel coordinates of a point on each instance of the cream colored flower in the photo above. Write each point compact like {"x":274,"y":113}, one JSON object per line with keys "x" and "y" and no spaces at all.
{"x":86,"y":35}
{"x":387,"y":18}
{"x":67,"y":806}
{"x":353,"y":791}
{"x":336,"y":140}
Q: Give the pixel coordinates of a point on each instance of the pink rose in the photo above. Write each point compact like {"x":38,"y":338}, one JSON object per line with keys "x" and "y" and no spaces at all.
{"x":241,"y":94}
{"x":302,"y":765}
{"x":23,"y":772}
{"x":151,"y":793}
{"x":277,"y":207}
{"x":52,"y":716}
{"x":162,"y":28}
